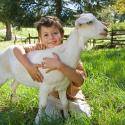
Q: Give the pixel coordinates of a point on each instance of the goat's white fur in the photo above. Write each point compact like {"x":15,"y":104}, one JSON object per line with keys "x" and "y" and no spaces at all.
{"x":69,"y":53}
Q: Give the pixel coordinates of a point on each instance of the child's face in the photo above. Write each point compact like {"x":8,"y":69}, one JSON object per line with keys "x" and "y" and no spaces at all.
{"x":50,"y":36}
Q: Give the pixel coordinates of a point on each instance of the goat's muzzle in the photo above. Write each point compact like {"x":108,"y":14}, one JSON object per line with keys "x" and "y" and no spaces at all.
{"x":104,"y":32}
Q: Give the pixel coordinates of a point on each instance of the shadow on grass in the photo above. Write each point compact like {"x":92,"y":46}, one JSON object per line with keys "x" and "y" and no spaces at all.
{"x":14,"y":116}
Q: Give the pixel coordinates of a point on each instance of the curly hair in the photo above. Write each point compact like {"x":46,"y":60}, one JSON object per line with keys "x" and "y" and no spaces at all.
{"x":49,"y":21}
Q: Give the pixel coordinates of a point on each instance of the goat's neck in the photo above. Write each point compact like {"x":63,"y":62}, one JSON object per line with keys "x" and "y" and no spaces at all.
{"x":73,"y":50}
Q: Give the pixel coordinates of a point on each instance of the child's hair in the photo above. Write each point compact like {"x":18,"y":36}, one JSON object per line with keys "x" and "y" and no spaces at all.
{"x":49,"y":21}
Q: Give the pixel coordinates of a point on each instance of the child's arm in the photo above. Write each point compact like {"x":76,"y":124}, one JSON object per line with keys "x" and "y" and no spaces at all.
{"x":74,"y":90}
{"x":32,"y":69}
{"x":72,"y":74}
{"x":77,"y":76}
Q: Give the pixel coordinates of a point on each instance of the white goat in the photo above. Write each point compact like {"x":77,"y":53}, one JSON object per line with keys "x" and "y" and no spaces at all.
{"x":86,"y":27}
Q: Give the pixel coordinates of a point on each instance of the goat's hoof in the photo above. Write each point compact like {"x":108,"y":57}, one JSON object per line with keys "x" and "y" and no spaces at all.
{"x":37,"y":120}
{"x":14,"y":98}
{"x":66,"y":114}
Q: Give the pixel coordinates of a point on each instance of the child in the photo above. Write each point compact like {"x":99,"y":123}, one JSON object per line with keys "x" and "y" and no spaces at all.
{"x":50,"y":33}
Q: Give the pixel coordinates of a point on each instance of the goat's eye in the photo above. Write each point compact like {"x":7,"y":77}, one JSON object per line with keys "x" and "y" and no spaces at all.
{"x":90,"y":22}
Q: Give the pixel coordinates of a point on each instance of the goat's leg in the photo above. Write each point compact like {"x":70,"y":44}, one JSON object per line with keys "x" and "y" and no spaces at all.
{"x":64,"y":101}
{"x":44,"y":91}
{"x":14,"y":86}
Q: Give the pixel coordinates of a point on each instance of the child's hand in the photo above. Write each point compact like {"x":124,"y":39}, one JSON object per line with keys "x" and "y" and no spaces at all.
{"x":52,"y":63}
{"x":35,"y":73}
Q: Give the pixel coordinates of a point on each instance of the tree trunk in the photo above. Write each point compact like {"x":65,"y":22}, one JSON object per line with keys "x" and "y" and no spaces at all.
{"x":58,"y":5}
{"x":8,"y":31}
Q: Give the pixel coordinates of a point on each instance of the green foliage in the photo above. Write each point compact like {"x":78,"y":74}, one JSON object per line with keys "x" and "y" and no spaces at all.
{"x":106,"y":15}
{"x":120,"y":6}
{"x":25,"y":13}
{"x":2,"y":26}
{"x":10,"y":10}
{"x":120,"y":25}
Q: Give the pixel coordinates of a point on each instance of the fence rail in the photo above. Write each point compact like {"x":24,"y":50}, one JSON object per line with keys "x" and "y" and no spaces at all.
{"x":31,"y":39}
{"x":116,"y":37}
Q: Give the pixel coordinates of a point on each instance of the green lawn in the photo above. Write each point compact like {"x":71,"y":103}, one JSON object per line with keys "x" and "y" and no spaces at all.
{"x":2,"y":26}
{"x":104,"y":90}
{"x":24,"y":32}
{"x":105,"y":86}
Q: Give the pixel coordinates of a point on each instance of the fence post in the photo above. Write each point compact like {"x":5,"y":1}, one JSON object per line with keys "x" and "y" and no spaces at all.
{"x":94,"y":42}
{"x":15,"y":39}
{"x":29,"y":39}
{"x":112,"y":33}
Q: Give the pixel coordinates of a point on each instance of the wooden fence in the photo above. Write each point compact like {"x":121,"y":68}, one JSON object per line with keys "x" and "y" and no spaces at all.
{"x":116,"y":37}
{"x":30,"y":39}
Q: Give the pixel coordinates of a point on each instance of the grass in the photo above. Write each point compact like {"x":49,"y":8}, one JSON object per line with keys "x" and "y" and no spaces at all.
{"x":104,"y":90}
{"x":105,"y":86}
{"x":2,"y":26}
{"x":24,"y":32}
{"x":23,"y":110}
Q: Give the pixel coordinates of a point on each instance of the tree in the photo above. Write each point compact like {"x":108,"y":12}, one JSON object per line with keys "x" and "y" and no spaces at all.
{"x":58,"y":7}
{"x":9,"y":11}
{"x":26,"y":12}
{"x":37,"y":8}
{"x":119,"y":6}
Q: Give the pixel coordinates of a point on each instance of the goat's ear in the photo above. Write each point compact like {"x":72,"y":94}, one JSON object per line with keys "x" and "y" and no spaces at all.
{"x":80,"y":21}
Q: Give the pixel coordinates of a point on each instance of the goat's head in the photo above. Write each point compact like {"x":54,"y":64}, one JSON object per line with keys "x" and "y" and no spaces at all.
{"x":89,"y":27}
